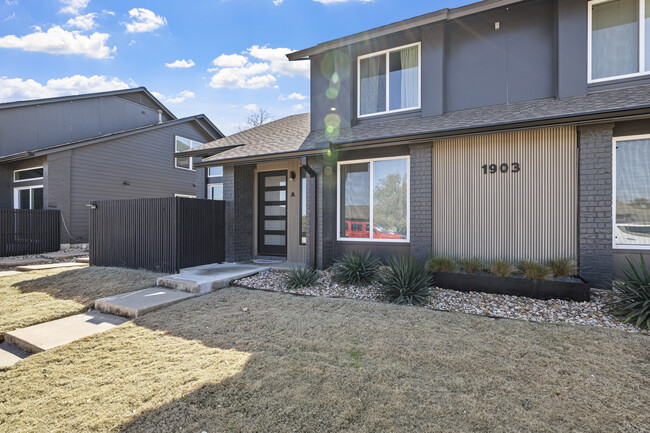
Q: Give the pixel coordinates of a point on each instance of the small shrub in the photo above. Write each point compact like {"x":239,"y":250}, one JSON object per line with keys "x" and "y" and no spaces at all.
{"x":442,"y":264}
{"x":534,"y":270}
{"x":356,"y":269}
{"x":471,"y":266}
{"x":564,"y":267}
{"x":633,"y":294}
{"x":405,"y":281}
{"x":501,"y":268}
{"x":302,"y":277}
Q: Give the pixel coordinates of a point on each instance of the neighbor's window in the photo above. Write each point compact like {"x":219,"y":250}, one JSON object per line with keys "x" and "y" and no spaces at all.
{"x":183,"y":144}
{"x":28,"y":174}
{"x":215,"y":191}
{"x":373,"y":200}
{"x":30,"y":197}
{"x":632,"y":192}
{"x":303,"y":207}
{"x":389,"y":81}
{"x":618,"y":39}
{"x":215,"y":171}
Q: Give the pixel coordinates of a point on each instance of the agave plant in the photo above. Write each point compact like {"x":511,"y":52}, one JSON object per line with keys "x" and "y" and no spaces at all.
{"x":356,"y":269}
{"x":302,"y":277}
{"x":405,"y":281}
{"x":633,"y":294}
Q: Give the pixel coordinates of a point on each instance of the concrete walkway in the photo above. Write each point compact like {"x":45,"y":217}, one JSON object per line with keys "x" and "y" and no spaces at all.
{"x":51,"y":266}
{"x":135,"y":304}
{"x":206,"y":278}
{"x":9,"y":355}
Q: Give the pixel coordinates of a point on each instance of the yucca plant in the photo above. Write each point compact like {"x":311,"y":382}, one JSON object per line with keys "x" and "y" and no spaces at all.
{"x":442,"y":264}
{"x":356,"y":269}
{"x":632,"y":294}
{"x":501,"y":268}
{"x":405,"y":281}
{"x":534,"y":270}
{"x":472,"y":265}
{"x":301,"y":277}
{"x":564,"y":267}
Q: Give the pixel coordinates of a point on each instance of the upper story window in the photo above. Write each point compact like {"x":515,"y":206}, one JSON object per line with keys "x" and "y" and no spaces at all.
{"x":181,"y":145}
{"x":28,"y":174}
{"x":389,"y":81}
{"x":215,"y":171}
{"x":619,"y":46}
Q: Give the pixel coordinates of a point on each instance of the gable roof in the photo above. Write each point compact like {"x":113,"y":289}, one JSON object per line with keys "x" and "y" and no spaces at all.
{"x":400,"y":26}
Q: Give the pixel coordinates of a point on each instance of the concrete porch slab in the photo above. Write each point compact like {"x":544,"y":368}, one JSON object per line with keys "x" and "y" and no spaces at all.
{"x":9,"y":355}
{"x":206,"y":278}
{"x":64,"y":255}
{"x":13,"y":262}
{"x":48,"y":335}
{"x":51,"y":266}
{"x":135,"y":304}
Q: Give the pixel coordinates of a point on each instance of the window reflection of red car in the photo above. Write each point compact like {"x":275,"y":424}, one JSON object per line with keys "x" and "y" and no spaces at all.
{"x":359,"y":229}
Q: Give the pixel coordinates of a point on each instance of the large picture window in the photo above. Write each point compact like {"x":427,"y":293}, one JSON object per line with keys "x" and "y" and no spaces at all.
{"x":182,"y":145}
{"x":389,"y":81}
{"x":632,"y":192}
{"x":619,"y":43}
{"x":373,"y":200}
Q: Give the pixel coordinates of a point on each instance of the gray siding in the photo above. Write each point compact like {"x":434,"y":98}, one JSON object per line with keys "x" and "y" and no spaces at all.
{"x":38,"y":126}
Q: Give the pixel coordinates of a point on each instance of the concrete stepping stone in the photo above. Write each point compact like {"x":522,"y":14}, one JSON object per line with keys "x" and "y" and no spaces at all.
{"x":135,"y":304}
{"x":9,"y":273}
{"x":206,"y":278}
{"x":82,"y":259}
{"x":48,"y":335}
{"x":64,"y":255}
{"x":51,"y":266}
{"x":9,"y":355}
{"x":13,"y":262}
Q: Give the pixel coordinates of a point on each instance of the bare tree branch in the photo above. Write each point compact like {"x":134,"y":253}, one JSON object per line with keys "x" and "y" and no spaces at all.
{"x":259,"y":117}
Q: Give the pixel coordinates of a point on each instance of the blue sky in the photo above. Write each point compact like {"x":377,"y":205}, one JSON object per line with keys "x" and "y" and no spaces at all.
{"x":218,"y":57}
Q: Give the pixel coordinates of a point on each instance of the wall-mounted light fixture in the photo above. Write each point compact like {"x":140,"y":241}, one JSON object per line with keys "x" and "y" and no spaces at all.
{"x":292,"y":176}
{"x":92,"y":206}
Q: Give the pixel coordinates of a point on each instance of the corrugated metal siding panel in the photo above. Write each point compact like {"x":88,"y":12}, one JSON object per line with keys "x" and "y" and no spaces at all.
{"x":528,"y":215}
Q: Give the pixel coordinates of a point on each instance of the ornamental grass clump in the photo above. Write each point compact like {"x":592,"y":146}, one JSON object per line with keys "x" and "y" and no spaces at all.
{"x":301,"y":277}
{"x":501,"y":268}
{"x":632,"y":295}
{"x":442,"y":264}
{"x":564,"y":267}
{"x":534,"y":270}
{"x":472,"y":265}
{"x":405,"y":281}
{"x":356,"y":269}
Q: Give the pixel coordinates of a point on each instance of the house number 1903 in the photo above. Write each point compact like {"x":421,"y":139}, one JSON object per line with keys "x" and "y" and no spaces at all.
{"x":504,"y":167}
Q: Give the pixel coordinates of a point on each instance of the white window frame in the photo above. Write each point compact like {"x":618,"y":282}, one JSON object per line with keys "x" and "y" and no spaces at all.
{"x":193,"y":144}
{"x":371,"y":222}
{"x":386,"y":54}
{"x":184,"y":195}
{"x":641,"y":71}
{"x":31,"y":195}
{"x":27,"y":169}
{"x":211,"y":185}
{"x":615,"y":144}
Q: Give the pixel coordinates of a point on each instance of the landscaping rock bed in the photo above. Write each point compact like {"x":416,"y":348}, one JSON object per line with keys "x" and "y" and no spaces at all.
{"x":594,"y":312}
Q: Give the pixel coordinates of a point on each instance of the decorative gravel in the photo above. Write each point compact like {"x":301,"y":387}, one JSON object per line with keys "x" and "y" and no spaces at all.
{"x":593,"y":313}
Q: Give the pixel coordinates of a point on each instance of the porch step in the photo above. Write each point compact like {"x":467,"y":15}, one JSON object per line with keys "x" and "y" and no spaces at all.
{"x":135,"y":304}
{"x":82,"y":259}
{"x":9,"y":355}
{"x":48,"y":335}
{"x":51,"y":266}
{"x":206,"y":278}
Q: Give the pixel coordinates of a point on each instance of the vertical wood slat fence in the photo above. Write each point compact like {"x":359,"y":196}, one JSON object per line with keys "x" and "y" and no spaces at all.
{"x":158,"y":234}
{"x":29,"y":231}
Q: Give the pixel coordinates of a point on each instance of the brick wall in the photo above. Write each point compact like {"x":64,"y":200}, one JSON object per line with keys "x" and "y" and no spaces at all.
{"x":238,"y":195}
{"x":421,"y":196}
{"x":200,"y":182}
{"x":595,"y":204}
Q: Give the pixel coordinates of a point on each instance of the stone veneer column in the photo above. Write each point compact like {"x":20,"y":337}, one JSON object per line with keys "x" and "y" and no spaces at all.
{"x":238,"y":195}
{"x":325,"y":210}
{"x":421,"y":200}
{"x":595,"y":254}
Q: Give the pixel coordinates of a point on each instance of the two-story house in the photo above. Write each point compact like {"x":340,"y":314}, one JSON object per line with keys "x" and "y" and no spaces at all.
{"x":62,"y":153}
{"x":503,"y":129}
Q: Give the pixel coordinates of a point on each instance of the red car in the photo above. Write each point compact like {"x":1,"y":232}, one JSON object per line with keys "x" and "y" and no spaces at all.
{"x":359,"y":229}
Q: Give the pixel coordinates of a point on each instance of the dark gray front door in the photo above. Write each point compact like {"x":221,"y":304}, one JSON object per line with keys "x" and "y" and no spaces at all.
{"x":272,"y":191}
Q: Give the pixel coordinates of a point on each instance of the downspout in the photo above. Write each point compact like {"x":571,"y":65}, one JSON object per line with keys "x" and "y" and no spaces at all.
{"x":313,"y":220}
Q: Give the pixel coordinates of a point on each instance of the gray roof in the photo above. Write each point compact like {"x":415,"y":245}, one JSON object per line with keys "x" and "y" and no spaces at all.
{"x":291,"y":134}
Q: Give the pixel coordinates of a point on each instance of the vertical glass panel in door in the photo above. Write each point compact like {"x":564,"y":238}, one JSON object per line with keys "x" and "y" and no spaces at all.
{"x":270,"y":181}
{"x":615,"y":38}
{"x":633,"y":193}
{"x":276,"y":240}
{"x":372,"y":85}
{"x":389,"y":199}
{"x":275,"y":195}
{"x":404,"y":78}
{"x":355,"y":200}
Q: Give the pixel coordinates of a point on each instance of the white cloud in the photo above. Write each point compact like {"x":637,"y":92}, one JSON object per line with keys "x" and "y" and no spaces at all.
{"x":83,"y":22}
{"x":298,"y":107}
{"x":17,"y":89}
{"x":182,"y":64}
{"x":10,"y":17}
{"x":144,"y":20}
{"x":175,"y":99}
{"x":250,"y":76}
{"x":294,"y":96}
{"x":11,"y":2}
{"x":73,"y":6}
{"x":59,"y":41}
{"x":327,"y":2}
{"x":278,"y":2}
{"x":251,"y":107}
{"x":230,"y":61}
{"x":277,"y":58}
{"x":106,"y":12}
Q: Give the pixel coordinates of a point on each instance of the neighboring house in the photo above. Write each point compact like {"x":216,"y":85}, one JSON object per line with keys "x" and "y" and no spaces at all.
{"x":63,"y":153}
{"x":503,"y":129}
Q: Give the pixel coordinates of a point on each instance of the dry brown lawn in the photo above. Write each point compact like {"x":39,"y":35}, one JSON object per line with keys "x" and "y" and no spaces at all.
{"x":39,"y":296}
{"x":251,"y":361}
